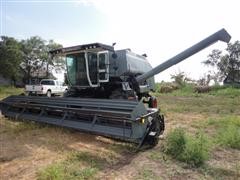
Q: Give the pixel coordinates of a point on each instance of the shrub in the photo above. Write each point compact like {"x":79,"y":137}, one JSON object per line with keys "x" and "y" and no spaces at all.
{"x":176,"y":142}
{"x":229,"y":136}
{"x":196,"y":151}
{"x":192,"y":150}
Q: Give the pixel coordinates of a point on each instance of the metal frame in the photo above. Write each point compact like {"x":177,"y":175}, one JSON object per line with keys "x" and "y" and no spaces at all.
{"x":120,"y":119}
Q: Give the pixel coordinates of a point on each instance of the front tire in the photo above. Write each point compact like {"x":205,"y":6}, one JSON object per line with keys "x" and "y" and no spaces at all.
{"x":157,"y":126}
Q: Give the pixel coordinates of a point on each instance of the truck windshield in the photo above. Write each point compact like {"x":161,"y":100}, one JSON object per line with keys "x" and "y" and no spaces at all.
{"x":76,"y":69}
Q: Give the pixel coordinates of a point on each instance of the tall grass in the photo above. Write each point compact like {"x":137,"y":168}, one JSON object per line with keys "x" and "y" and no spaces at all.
{"x":227,"y":131}
{"x":189,"y":90}
{"x":196,"y":151}
{"x":176,"y":142}
{"x":229,"y":136}
{"x":225,"y":91}
{"x":9,"y":90}
{"x":193,"y":150}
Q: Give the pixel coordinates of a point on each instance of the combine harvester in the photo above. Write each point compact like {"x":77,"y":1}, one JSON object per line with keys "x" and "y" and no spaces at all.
{"x":108,"y":95}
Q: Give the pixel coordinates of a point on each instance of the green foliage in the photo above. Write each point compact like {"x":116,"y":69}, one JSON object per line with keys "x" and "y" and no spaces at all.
{"x":176,"y":90}
{"x":227,"y":131}
{"x":223,"y":122}
{"x":191,"y":150}
{"x":226,"y":64}
{"x":78,"y":165}
{"x":188,"y":89}
{"x":35,"y":50}
{"x":176,"y":142}
{"x":196,"y":151}
{"x":225,"y":91}
{"x":53,"y":172}
{"x":28,"y":56}
{"x":9,"y":90}
{"x":229,"y":136}
{"x":11,"y":57}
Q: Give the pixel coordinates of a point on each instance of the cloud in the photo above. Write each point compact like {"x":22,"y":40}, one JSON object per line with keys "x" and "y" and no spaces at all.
{"x":164,"y":28}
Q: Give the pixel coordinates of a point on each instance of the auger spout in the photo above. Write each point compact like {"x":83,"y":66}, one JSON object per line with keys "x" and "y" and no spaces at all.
{"x":221,"y":35}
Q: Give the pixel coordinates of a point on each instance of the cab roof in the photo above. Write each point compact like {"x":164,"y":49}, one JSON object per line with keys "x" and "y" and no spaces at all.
{"x":92,"y":46}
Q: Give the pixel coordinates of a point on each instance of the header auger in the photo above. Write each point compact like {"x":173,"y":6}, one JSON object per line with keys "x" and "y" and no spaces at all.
{"x":108,"y":94}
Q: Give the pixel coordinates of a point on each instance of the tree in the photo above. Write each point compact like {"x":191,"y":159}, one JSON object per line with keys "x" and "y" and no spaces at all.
{"x":10,"y":58}
{"x":226,"y":64}
{"x":56,"y":61}
{"x":181,"y":79}
{"x":34,"y":55}
{"x":37,"y":58}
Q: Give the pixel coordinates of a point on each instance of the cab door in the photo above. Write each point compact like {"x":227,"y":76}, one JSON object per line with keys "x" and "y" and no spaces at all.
{"x":92,"y":68}
{"x":103,"y":66}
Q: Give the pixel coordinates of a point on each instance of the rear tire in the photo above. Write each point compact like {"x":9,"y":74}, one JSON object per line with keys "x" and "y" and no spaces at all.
{"x":49,"y":94}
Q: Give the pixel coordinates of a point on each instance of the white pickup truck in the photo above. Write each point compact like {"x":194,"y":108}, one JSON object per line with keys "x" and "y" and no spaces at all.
{"x":46,"y":87}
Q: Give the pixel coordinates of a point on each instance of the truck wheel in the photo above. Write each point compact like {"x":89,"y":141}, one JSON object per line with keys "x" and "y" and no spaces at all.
{"x":49,"y":93}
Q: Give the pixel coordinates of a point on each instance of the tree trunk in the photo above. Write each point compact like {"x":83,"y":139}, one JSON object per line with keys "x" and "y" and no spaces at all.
{"x":47,"y":74}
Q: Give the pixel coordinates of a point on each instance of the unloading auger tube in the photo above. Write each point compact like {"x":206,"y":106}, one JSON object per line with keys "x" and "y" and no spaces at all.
{"x":128,"y":120}
{"x":221,"y":35}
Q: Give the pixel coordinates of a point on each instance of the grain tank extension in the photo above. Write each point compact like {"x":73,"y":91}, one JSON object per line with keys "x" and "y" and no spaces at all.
{"x":108,"y":94}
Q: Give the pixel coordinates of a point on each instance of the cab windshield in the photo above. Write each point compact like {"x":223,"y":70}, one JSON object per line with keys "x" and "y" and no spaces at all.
{"x":81,"y":72}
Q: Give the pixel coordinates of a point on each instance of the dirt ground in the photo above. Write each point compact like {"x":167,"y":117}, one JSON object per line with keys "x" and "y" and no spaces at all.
{"x":28,"y":148}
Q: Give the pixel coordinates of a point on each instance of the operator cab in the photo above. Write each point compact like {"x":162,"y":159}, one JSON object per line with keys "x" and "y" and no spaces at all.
{"x":87,"y":65}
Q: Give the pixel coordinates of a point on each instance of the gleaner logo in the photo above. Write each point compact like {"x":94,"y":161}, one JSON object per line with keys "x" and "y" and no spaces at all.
{"x":125,"y":86}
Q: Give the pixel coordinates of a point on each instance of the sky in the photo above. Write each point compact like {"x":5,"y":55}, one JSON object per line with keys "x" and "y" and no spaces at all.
{"x":161,"y":29}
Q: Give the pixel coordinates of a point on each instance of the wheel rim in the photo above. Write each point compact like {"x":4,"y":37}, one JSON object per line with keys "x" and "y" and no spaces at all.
{"x":48,"y":94}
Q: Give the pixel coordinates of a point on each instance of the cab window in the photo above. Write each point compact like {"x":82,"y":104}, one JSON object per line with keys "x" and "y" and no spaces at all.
{"x":47,"y":82}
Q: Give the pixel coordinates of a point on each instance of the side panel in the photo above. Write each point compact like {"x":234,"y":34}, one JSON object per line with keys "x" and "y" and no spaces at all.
{"x":137,"y":64}
{"x":128,"y":62}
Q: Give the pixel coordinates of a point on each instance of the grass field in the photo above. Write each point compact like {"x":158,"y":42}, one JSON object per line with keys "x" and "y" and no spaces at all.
{"x":9,"y":90}
{"x":204,"y":130}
